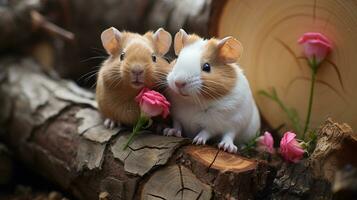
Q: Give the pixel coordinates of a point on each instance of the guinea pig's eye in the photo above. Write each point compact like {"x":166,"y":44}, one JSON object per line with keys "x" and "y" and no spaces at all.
{"x":153,"y":58}
{"x":206,"y":67}
{"x":122,"y":55}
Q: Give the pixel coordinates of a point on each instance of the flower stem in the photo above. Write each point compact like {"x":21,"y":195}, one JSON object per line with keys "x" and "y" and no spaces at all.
{"x":314,"y":67}
{"x":138,"y":126}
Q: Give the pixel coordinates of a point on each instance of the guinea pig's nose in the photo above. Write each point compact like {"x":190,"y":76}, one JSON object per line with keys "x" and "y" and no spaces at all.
{"x":180,"y":84}
{"x":137,"y":72}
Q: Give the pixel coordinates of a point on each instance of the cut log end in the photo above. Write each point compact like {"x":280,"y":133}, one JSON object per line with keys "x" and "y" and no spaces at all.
{"x":230,"y":175}
{"x":216,"y":159}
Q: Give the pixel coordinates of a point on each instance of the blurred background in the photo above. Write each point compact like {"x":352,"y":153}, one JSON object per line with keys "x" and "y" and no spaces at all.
{"x":63,"y":36}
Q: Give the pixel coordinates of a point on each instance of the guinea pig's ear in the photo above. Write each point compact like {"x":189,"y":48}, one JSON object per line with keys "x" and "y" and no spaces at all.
{"x":229,"y":50}
{"x":163,"y":41}
{"x":180,"y":38}
{"x":111,"y":40}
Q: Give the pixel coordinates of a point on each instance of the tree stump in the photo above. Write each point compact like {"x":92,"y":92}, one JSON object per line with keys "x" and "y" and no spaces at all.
{"x":231,"y":176}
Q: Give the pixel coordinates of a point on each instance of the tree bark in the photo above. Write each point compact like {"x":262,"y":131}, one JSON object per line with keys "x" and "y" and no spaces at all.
{"x":53,"y":126}
{"x":313,"y":178}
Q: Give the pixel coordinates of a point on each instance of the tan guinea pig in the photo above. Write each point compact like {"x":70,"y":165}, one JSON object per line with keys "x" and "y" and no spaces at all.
{"x":135,"y":61}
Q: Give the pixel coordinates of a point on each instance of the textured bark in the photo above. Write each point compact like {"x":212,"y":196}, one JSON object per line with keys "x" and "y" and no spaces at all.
{"x":313,"y":178}
{"x":296,"y":181}
{"x":336,"y":148}
{"x":54,"y":128}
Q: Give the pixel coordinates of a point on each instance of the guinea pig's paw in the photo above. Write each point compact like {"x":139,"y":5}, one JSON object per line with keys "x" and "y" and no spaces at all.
{"x":110,"y":124}
{"x":201,"y":138}
{"x":172,"y":132}
{"x":228,"y":145}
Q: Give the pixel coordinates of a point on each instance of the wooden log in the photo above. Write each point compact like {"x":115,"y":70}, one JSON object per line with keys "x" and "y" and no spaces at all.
{"x":335,"y":149}
{"x":54,"y":128}
{"x":314,"y":177}
{"x":179,"y":183}
{"x":269,"y":31}
{"x":296,"y":181}
{"x":230,"y":176}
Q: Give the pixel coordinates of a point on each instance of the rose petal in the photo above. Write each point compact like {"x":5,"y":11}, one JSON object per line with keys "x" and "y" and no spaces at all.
{"x":290,"y":149}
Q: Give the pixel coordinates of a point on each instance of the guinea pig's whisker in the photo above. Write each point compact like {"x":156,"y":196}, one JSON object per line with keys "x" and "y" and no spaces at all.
{"x":197,"y":100}
{"x":99,"y":51}
{"x":88,"y":75}
{"x":116,"y":85}
{"x":91,"y":76}
{"x":159,"y":72}
{"x":214,"y":82}
{"x":161,"y":85}
{"x":93,"y":58}
{"x":212,"y":93}
{"x":207,"y":91}
{"x":210,"y":90}
{"x":115,"y":77}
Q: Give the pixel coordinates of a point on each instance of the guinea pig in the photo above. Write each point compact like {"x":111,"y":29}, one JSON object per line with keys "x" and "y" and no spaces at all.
{"x":209,"y":94}
{"x":135,"y":61}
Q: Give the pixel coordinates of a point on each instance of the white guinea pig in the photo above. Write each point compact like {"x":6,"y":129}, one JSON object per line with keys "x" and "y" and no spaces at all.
{"x":209,"y":93}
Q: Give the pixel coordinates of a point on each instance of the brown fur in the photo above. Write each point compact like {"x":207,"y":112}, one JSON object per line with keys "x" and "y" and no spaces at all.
{"x":181,"y":42}
{"x":222,"y":78}
{"x":114,"y":93}
{"x":191,"y":39}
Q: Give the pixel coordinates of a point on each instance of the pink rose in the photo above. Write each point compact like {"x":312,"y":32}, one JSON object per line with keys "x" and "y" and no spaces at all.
{"x":152,"y":103}
{"x":290,"y":149}
{"x":266,"y":143}
{"x":315,"y":45}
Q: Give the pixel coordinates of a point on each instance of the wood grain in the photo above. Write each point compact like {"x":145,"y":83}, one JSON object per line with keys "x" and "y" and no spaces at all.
{"x":175,"y":182}
{"x":269,"y":31}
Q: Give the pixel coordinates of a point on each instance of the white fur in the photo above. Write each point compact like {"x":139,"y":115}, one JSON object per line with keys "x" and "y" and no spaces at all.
{"x":189,"y":68}
{"x":235,"y":116}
